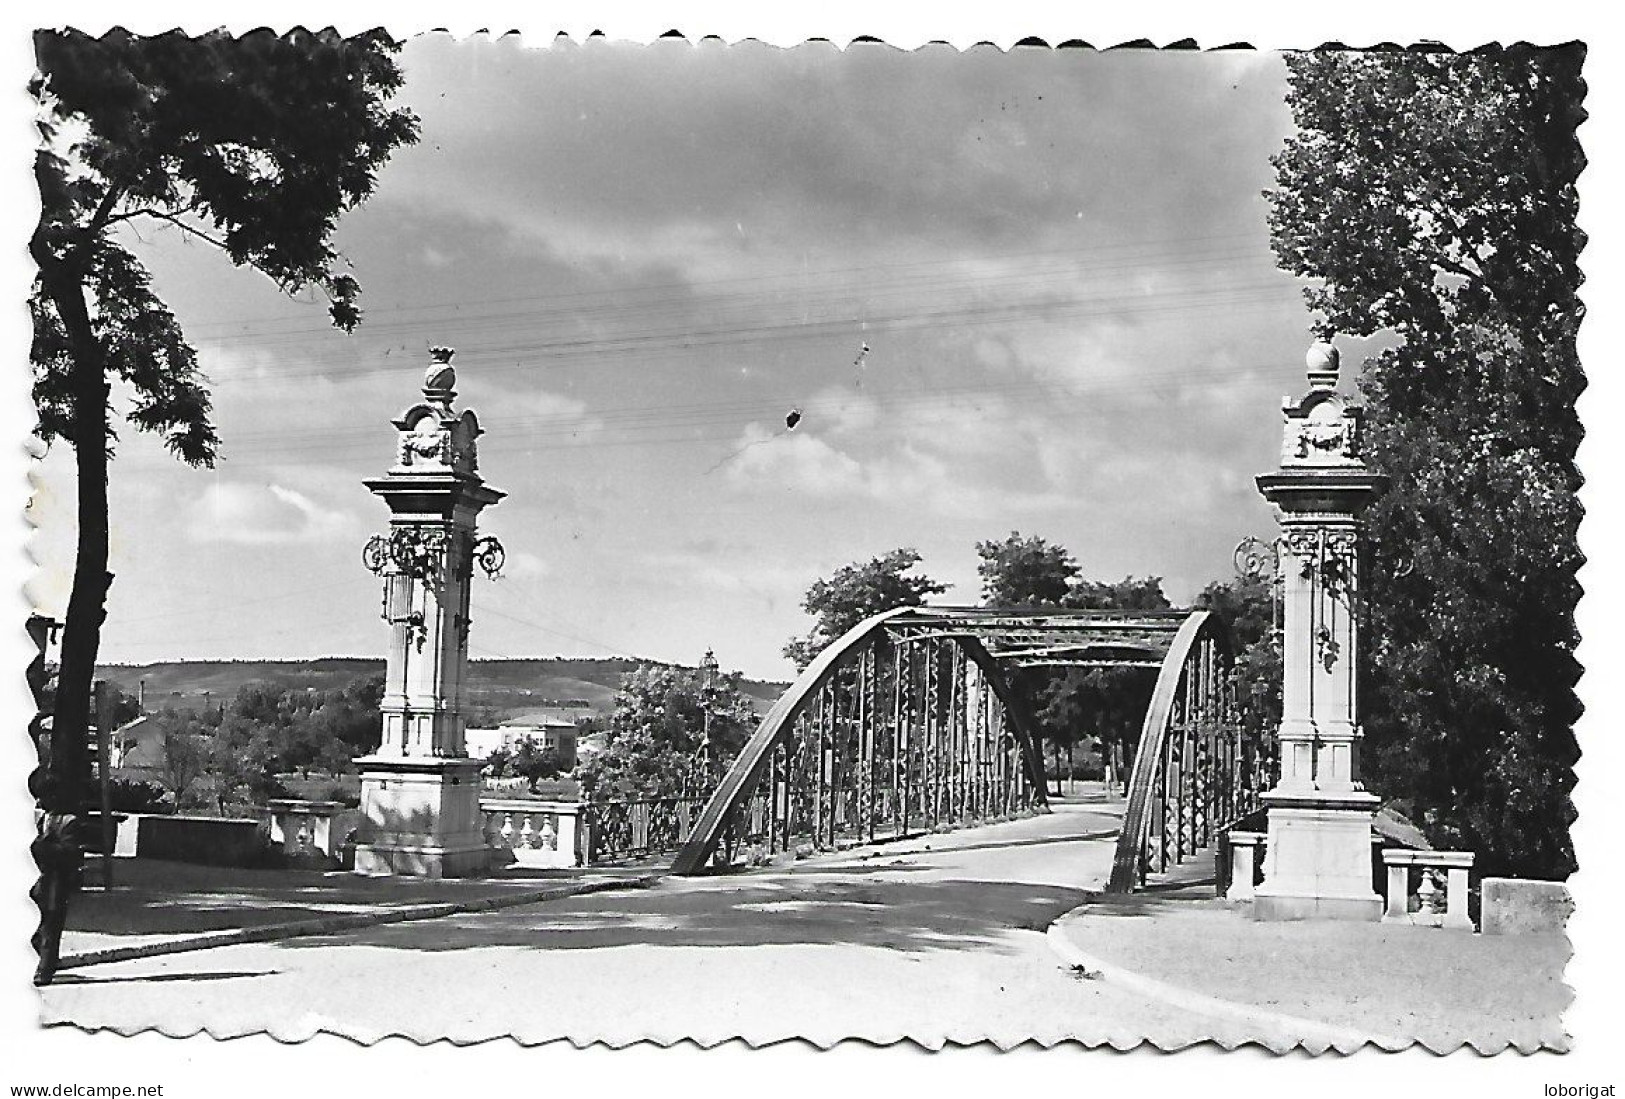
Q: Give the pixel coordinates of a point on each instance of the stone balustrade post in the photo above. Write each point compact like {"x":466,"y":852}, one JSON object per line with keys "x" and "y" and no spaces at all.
{"x":1455,"y":896}
{"x":1399,"y":886}
{"x":585,"y":824}
{"x":1243,"y":864}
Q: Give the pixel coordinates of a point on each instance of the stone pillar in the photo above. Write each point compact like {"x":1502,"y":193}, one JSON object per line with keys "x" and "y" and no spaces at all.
{"x":1318,"y":863}
{"x":420,"y":792}
{"x":1243,"y":855}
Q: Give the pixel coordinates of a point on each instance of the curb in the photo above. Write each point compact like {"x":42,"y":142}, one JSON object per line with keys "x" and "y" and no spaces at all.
{"x":1272,"y":1023}
{"x":350,"y":922}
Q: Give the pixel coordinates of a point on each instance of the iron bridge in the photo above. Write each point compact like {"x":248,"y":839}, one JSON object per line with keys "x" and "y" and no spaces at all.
{"x":909,"y":722}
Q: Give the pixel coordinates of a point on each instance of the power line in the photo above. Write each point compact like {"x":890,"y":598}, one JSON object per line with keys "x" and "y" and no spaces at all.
{"x":695,"y":424}
{"x":614,"y":649}
{"x":1178,"y":246}
{"x":559,"y":348}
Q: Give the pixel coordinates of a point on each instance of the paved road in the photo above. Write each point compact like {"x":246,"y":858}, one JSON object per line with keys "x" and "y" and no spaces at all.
{"x":938,"y":939}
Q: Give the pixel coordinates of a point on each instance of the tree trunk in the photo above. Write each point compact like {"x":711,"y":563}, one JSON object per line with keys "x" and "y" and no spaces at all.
{"x":63,"y":792}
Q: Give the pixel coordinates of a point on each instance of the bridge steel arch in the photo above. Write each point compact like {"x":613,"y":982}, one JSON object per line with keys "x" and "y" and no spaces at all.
{"x":1195,"y":771}
{"x":908,"y":722}
{"x":950,"y":758}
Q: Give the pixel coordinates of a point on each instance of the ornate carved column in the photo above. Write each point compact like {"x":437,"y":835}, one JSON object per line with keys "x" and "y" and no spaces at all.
{"x":419,"y":792}
{"x":1318,"y":860}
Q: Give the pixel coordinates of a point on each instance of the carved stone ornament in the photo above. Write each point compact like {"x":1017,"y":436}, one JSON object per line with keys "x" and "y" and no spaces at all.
{"x":1322,"y":428}
{"x":1329,"y":554}
{"x":426,"y":442}
{"x":416,"y":551}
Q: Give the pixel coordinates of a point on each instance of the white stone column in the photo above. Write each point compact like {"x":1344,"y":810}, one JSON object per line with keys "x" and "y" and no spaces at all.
{"x":1318,"y":862}
{"x":419,"y":791}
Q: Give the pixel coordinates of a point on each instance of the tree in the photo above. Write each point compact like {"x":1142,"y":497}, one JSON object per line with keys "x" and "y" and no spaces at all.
{"x":534,"y":763}
{"x":1021,"y":572}
{"x":657,"y":736}
{"x":1433,"y":195}
{"x":351,"y":717}
{"x":1030,"y":572}
{"x":1114,"y":699}
{"x":122,"y":707}
{"x":857,"y":592}
{"x":1142,"y":593}
{"x":252,"y":145}
{"x":185,"y":753}
{"x":499,"y":764}
{"x":1246,"y":608}
{"x":242,"y":755}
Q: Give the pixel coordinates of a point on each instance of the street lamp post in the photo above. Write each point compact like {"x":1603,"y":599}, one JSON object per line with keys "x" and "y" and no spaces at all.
{"x":708,"y":679}
{"x":1318,"y":857}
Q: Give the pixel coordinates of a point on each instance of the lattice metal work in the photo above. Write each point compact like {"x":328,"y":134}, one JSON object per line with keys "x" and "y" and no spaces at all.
{"x":876,"y":739}
{"x":1195,"y":771}
{"x":908,"y":723}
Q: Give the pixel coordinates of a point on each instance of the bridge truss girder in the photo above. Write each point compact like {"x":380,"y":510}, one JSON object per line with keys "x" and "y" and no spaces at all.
{"x":909,"y":723}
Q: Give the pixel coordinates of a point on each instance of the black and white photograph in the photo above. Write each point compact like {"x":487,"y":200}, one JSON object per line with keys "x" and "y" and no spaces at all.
{"x":1061,"y":543}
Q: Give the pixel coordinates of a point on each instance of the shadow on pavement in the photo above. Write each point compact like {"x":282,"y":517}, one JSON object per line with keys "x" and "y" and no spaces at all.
{"x":1001,"y":844}
{"x":908,"y":916}
{"x":213,"y":975}
{"x":152,"y":897}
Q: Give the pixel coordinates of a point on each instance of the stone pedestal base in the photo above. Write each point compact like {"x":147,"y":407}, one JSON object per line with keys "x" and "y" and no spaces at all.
{"x":420,"y":817}
{"x":1318,"y":860}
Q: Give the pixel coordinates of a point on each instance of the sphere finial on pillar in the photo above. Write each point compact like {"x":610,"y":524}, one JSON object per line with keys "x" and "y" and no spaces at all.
{"x":1323,"y":363}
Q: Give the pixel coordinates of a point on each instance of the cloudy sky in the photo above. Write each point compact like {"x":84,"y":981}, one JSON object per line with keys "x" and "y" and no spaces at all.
{"x":647,"y":256}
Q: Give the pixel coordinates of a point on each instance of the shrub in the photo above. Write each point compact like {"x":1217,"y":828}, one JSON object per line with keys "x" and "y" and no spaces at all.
{"x":338,"y":791}
{"x":129,"y":795}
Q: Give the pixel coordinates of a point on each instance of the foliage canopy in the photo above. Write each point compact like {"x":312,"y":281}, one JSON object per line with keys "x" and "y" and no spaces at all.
{"x":672,"y":732}
{"x":253,"y":145}
{"x":856,"y":592}
{"x":1433,"y":196}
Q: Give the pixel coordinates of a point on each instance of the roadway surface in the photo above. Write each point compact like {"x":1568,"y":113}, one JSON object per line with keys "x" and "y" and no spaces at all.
{"x":938,"y":939}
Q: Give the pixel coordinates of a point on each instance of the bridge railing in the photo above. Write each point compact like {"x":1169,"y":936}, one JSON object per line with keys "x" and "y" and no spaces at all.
{"x":638,"y":828}
{"x":884,"y":734}
{"x":1197,"y":769}
{"x":531,"y":832}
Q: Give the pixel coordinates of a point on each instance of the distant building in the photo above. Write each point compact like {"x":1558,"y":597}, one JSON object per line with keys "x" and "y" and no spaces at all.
{"x":138,"y":748}
{"x":547,"y":733}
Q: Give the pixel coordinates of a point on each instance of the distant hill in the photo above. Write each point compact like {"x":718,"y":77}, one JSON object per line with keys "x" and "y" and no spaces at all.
{"x":512,"y":686}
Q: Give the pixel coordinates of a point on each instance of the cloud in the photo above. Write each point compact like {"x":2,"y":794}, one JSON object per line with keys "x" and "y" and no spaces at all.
{"x":235,"y":362}
{"x":541,"y":404}
{"x":702,"y":157}
{"x":920,"y":466}
{"x":794,"y":463}
{"x":524,"y":565}
{"x":263,"y":515}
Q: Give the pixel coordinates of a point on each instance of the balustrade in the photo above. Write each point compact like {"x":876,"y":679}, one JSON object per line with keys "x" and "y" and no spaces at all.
{"x":313,"y":831}
{"x":534,"y":833}
{"x":1424,"y":867}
